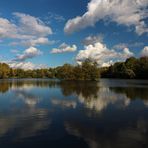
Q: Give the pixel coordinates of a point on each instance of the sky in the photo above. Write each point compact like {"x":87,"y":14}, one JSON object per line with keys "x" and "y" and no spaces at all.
{"x":49,"y":33}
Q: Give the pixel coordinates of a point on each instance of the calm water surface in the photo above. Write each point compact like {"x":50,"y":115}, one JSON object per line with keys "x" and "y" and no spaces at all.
{"x":67,"y":114}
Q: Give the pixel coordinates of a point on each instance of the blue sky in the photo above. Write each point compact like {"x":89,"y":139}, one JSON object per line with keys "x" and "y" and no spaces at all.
{"x":40,"y":33}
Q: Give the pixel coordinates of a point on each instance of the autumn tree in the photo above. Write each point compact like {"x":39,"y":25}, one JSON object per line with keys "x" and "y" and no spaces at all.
{"x":4,"y":70}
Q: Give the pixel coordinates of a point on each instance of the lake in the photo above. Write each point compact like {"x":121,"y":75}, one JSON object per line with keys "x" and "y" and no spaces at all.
{"x":73,"y":114}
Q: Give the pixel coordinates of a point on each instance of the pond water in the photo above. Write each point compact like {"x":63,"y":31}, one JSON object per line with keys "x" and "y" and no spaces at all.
{"x":73,"y":114}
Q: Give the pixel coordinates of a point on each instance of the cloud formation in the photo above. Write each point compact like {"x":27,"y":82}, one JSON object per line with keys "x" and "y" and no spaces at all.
{"x":8,"y":29}
{"x":102,"y":55}
{"x":145,"y":51}
{"x":22,"y":65}
{"x":64,"y":48}
{"x":25,"y":65}
{"x":32,"y":25}
{"x":25,"y":29}
{"x":123,"y":12}
{"x":28,"y":54}
{"x":92,"y":39}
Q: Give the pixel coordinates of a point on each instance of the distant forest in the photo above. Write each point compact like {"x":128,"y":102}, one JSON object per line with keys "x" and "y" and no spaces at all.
{"x":86,"y":71}
{"x":132,"y":68}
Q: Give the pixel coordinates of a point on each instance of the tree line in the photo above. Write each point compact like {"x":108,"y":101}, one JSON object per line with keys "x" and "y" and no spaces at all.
{"x":88,"y":70}
{"x":132,"y":68}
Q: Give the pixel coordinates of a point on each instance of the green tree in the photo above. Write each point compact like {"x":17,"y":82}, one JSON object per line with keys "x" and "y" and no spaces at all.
{"x":90,"y":70}
{"x":65,"y":72}
{"x":143,"y":68}
{"x":4,"y":70}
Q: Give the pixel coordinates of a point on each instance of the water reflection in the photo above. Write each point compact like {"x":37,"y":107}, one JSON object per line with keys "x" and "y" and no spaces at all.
{"x":93,"y":95}
{"x":98,"y":96}
{"x":134,"y":135}
{"x":132,"y":92}
{"x":25,"y":122}
{"x":104,"y":98}
{"x":5,"y":85}
{"x":23,"y":115}
{"x":65,"y":103}
{"x":106,"y":114}
{"x":27,"y":98}
{"x":86,"y":88}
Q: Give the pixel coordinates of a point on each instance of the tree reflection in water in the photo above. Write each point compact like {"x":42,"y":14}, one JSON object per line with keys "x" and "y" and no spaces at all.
{"x":94,"y":95}
{"x":106,"y":114}
{"x":97,"y":96}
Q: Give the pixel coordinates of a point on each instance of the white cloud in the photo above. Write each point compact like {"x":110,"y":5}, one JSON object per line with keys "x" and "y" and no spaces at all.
{"x":107,"y":64}
{"x":127,"y":52}
{"x":22,"y":65}
{"x":25,"y":65}
{"x":145,"y":51}
{"x":41,"y":41}
{"x":32,"y":25}
{"x":27,"y":54}
{"x":123,"y":12}
{"x":64,"y":48}
{"x":92,"y":39}
{"x":25,"y":30}
{"x":102,"y":55}
{"x":7,"y":29}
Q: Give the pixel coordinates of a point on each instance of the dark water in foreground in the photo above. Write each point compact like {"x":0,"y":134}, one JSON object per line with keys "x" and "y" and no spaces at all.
{"x":50,"y":113}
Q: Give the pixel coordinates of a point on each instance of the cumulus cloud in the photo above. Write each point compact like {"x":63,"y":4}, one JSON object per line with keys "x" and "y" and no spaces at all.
{"x":145,"y":51}
{"x":41,"y":41}
{"x":126,"y":53}
{"x":64,"y":48}
{"x":26,"y":29}
{"x":7,"y":29}
{"x":32,"y":25}
{"x":123,"y":12}
{"x":28,"y":54}
{"x":22,"y":65}
{"x":92,"y":39}
{"x":102,"y":55}
{"x":25,"y":65}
